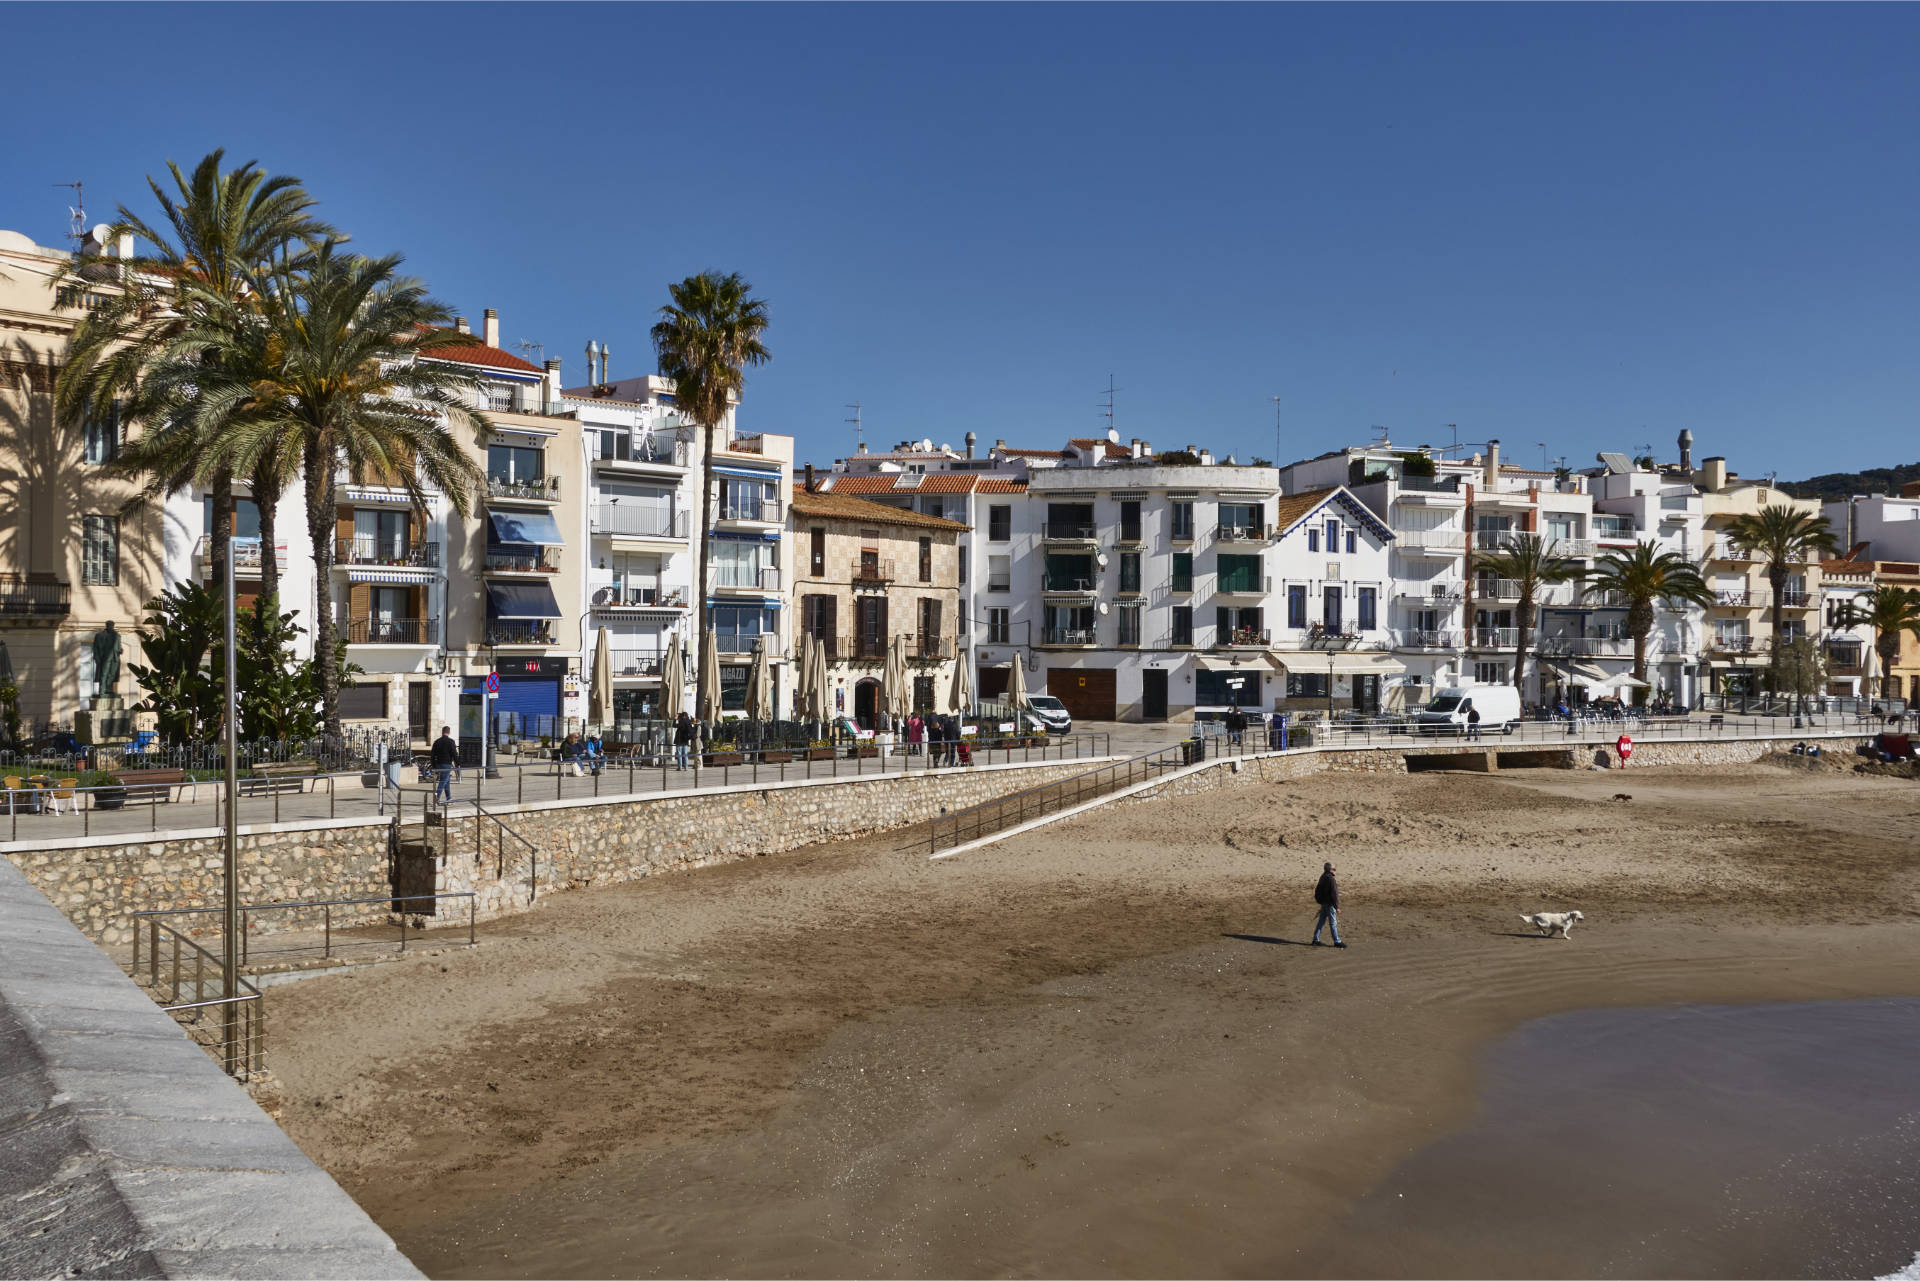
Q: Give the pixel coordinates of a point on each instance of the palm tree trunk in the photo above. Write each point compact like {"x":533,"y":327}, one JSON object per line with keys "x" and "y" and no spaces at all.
{"x":269,"y":504}
{"x":1640,"y":625}
{"x":700,"y":584}
{"x":1887,"y":644}
{"x":1776,"y":609}
{"x":222,"y":532}
{"x":1522,"y":639}
{"x":320,"y":519}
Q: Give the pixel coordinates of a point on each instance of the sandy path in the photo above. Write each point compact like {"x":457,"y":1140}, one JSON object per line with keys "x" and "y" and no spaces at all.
{"x":1057,"y":1055}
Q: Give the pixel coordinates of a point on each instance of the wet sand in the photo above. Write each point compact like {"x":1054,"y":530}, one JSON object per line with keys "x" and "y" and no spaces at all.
{"x":1099,"y":1049}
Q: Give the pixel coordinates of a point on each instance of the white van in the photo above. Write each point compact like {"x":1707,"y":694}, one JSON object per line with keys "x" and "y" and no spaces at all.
{"x":1498,"y":705}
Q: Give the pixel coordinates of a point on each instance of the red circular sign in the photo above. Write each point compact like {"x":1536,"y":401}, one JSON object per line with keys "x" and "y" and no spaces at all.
{"x":493,"y":682}
{"x":1624,"y":746}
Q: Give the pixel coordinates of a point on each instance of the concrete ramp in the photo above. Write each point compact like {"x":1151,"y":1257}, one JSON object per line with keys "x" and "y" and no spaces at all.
{"x":129,"y":1153}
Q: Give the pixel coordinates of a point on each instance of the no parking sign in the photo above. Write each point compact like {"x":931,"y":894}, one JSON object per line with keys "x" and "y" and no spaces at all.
{"x":493,"y":682}
{"x":1624,"y":745}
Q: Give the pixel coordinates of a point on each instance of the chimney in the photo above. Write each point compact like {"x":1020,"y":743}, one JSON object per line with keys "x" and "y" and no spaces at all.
{"x":1686,"y":449}
{"x":460,"y":325}
{"x":1134,"y":447}
{"x":490,"y":326}
{"x":553,"y":382}
{"x":812,"y":484}
{"x":861,"y":448}
{"x":1713,"y":474}
{"x":972,"y":440}
{"x":1490,"y":473}
{"x":593,"y":355}
{"x":605,"y":351}
{"x":1000,"y":444}
{"x":126,"y":244}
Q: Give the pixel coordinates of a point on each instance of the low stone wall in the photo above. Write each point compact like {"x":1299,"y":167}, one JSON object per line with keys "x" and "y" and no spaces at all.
{"x":100,"y":886}
{"x":582,"y":843}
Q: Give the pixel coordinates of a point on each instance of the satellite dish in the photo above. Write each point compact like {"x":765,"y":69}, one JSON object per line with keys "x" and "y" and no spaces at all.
{"x":101,"y":232}
{"x":1105,"y":609}
{"x":926,"y":446}
{"x":1100,"y":559}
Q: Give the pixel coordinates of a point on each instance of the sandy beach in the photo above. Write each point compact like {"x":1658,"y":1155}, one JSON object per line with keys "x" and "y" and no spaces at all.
{"x":1103,"y":1048}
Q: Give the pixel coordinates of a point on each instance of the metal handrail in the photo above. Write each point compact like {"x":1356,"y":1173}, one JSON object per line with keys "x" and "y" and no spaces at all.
{"x":241,"y":1046}
{"x":1015,"y":808}
{"x":326,"y":904}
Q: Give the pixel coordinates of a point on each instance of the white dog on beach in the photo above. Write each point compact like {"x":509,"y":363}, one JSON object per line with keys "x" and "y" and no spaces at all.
{"x":1551,"y":923}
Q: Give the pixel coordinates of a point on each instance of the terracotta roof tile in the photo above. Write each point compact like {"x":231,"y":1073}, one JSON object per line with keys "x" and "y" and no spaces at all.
{"x":847,"y":507}
{"x":885,"y":483}
{"x":1293,"y":506}
{"x":478,"y":353}
{"x":1034,"y":453}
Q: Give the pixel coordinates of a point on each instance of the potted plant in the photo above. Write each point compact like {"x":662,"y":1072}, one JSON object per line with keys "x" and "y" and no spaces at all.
{"x":819,"y":750}
{"x":724,"y":758}
{"x":777,"y":756}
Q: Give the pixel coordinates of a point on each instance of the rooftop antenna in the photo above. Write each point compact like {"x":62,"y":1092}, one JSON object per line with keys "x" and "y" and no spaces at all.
{"x":77,"y":211}
{"x":1108,"y":407}
{"x":1380,"y":434}
{"x":1646,"y":450}
{"x":1545,"y":462}
{"x":1276,"y":430}
{"x":855,"y":420}
{"x":528,"y":348}
{"x":1454,"y":444}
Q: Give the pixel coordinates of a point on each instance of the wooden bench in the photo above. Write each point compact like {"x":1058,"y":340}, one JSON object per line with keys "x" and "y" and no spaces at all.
{"x":150,"y":786}
{"x":268,"y":785}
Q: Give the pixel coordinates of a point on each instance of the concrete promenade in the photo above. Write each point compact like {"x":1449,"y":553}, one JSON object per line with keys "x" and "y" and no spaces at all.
{"x":128,"y":1151}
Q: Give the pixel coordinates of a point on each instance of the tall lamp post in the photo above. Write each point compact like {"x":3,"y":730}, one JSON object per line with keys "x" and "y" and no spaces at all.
{"x":230,"y":956}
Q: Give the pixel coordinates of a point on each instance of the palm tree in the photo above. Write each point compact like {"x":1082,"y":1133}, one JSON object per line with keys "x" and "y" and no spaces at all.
{"x":331,"y":372}
{"x":1531,"y":562}
{"x":1889,"y":611}
{"x":1782,"y":537}
{"x":705,"y":339}
{"x":1646,"y":576}
{"x":217,"y":229}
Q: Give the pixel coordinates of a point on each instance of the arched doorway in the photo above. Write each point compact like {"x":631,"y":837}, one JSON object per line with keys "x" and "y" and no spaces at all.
{"x":866,"y":703}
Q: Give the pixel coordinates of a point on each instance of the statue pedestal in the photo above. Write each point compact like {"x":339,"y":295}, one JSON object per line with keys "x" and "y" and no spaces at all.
{"x":107,"y":721}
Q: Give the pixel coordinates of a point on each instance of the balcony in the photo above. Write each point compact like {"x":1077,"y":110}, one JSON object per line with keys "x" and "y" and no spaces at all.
{"x":1606,"y":600}
{"x":930,"y":648}
{"x":1418,"y":638}
{"x":634,"y":663}
{"x":743,"y":643}
{"x":659,"y":449}
{"x":1747,"y":599}
{"x":392,"y":631}
{"x":1243,"y":586}
{"x":1497,"y":588}
{"x":1244,"y":638}
{"x":1442,"y":594}
{"x":1070,"y":531}
{"x":1845,"y":659}
{"x":522,"y":631}
{"x":765,"y":511}
{"x":1429,"y":489}
{"x":630,"y":521}
{"x":1064,"y":637}
{"x":1738,"y":643}
{"x":1494,"y":637}
{"x":746,"y":578}
{"x":870,"y":571}
{"x":396,"y":553}
{"x":1067,"y":584}
{"x":246,"y":556}
{"x":1573,"y":547}
{"x":621,"y":596}
{"x":543,"y":489}
{"x":1605,"y":645}
{"x":28,"y":601}
{"x":1242,"y":533}
{"x":862,"y":649}
{"x":1492,"y":540}
{"x":1431,"y":542}
{"x":1614,"y":531}
{"x":541,"y":560}
{"x":1795,"y":598}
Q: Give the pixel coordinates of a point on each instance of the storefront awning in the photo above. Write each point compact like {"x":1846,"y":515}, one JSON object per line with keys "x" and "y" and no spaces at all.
{"x":1250,"y":661}
{"x":1574,"y":667}
{"x":525,"y":527}
{"x":521,"y":600}
{"x":1742,"y":660}
{"x":416,"y":576}
{"x":1340,"y":663}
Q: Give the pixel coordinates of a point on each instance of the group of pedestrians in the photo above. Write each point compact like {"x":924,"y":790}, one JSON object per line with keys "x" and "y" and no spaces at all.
{"x":585,"y":754}
{"x":941,"y":736}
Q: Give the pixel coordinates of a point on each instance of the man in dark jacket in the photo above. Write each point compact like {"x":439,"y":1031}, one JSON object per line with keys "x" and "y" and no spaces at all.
{"x":446,"y":754}
{"x":682,"y":739}
{"x":1327,"y":895}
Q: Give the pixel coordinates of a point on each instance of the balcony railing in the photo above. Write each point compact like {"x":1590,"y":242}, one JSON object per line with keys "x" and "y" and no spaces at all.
{"x":1240,"y":533}
{"x":1742,"y":599}
{"x":618,"y":596}
{"x":1570,"y":546}
{"x":1420,"y":638}
{"x":637,"y":662}
{"x":1429,"y":484}
{"x":1070,"y":531}
{"x":545,"y":560}
{"x":1449,"y":592}
{"x":1066,"y":636}
{"x":746,"y":578}
{"x":768,"y":510}
{"x":1739,"y":643}
{"x":1793,"y":598}
{"x":1497,"y":588}
{"x":741,"y":643}
{"x":393,"y":631}
{"x":661,"y":447}
{"x":1432,"y":540}
{"x":545,"y":488}
{"x":632,"y":521}
{"x":1243,"y":637}
{"x":867,"y":569}
{"x":1586,"y":646}
{"x":1610,"y":531}
{"x":1495,"y":637}
{"x":21,"y":600}
{"x":369,"y":550}
{"x":246,"y":555}
{"x":930,"y":647}
{"x":1488,"y":540}
{"x":863,"y":649}
{"x":521,"y":631}
{"x":1606,"y":600}
{"x":1243,"y":586}
{"x":1065,"y":583}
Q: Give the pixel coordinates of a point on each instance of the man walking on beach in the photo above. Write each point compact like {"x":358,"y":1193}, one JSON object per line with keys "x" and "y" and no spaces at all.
{"x":1327,"y":895}
{"x":446,"y":754}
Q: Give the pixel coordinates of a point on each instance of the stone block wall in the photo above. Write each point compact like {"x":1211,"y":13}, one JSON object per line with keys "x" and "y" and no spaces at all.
{"x":100,"y":886}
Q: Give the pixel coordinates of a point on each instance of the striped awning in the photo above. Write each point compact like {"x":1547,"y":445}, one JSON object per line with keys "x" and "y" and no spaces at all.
{"x":356,"y":574}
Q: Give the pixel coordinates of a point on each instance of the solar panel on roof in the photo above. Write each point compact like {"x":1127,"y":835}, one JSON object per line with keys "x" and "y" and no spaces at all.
{"x":909,"y":480}
{"x":1616,"y":463}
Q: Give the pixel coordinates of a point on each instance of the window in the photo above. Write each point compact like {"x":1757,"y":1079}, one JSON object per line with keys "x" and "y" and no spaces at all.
{"x":1129,"y":571}
{"x":1070,"y":520}
{"x":748,"y":499}
{"x":1351,"y":542}
{"x":737,"y":628}
{"x":364,"y":702}
{"x":741,"y":563}
{"x":1183,"y":571}
{"x":1238,"y":626}
{"x":929,"y":624}
{"x":926,"y":560}
{"x":616,"y":445}
{"x":1068,"y":573}
{"x":1227,"y":689}
{"x":1130,"y":522}
{"x":1129,"y":623}
{"x":1068,"y":625}
{"x":103,"y":435}
{"x":1182,"y":625}
{"x":999,"y":628}
{"x":817,"y":557}
{"x":1333,"y":535}
{"x":963,"y":565}
{"x":999,"y":573}
{"x":870,"y":640}
{"x":246,"y":517}
{"x":1369,"y":608}
{"x":1239,"y":574}
{"x":1313,"y":540}
{"x":1243,"y":518}
{"x":1297,"y":605}
{"x":820,"y":618}
{"x":999,"y":523}
{"x":380,"y":537}
{"x":100,"y":551}
{"x":1183,"y":522}
{"x":1490,"y":673}
{"x":516,"y":464}
{"x":1306,"y":684}
{"x":1330,"y":608}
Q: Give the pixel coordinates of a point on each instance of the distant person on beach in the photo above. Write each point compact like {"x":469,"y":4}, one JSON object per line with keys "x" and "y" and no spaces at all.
{"x":446,"y":754}
{"x":1327,"y":895}
{"x":1473,"y":720}
{"x":682,"y":739}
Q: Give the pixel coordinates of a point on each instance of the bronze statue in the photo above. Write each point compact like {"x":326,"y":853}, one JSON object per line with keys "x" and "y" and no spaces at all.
{"x":106,"y":659}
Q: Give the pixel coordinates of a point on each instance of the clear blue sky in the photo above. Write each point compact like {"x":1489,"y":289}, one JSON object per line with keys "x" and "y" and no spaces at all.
{"x":1588,"y":226}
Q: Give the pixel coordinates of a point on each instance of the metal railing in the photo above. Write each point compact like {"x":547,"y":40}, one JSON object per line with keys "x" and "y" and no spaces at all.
{"x":544,"y":560}
{"x":1494,"y":637}
{"x":869,"y":569}
{"x":1066,"y":636}
{"x":1066,"y":583}
{"x":1241,"y":533}
{"x":660,"y":447}
{"x":546,"y":488}
{"x":1243,"y":585}
{"x":521,"y":631}
{"x":637,"y":662}
{"x":751,"y":578}
{"x":229,"y":1026}
{"x":1419,"y":638}
{"x":384,"y":910}
{"x":1071,"y":531}
{"x":1257,"y":637}
{"x":34,"y":600}
{"x":368,"y":549}
{"x":636,"y":521}
{"x":1443,"y":540}
{"x":762,"y":509}
{"x":1587,"y":725}
{"x":392,"y":631}
{"x":974,"y":822}
{"x":1497,"y":588}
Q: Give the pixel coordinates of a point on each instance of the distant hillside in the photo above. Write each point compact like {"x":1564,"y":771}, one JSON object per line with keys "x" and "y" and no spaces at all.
{"x":1841,"y":484}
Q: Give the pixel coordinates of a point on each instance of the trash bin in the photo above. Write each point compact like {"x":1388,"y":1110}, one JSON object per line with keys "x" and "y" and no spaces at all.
{"x":394,"y":766}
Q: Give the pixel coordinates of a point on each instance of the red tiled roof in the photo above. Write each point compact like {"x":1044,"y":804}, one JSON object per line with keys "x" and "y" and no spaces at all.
{"x":1034,"y":453}
{"x":1095,"y":442}
{"x":1001,"y":485}
{"x":885,"y":483}
{"x":478,"y":353}
{"x":847,"y":507}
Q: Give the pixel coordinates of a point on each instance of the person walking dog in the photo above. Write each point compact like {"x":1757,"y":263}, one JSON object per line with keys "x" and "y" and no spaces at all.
{"x":446,"y":754}
{"x":1327,"y":895}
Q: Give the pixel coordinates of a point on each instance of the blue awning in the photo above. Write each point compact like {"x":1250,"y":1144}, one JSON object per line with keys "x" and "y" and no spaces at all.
{"x":747,"y":473}
{"x":521,"y":600}
{"x":525,"y":527}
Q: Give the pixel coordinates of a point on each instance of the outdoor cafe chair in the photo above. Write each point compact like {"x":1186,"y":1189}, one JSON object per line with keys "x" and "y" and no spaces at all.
{"x":63,"y":792}
{"x":12,"y":782}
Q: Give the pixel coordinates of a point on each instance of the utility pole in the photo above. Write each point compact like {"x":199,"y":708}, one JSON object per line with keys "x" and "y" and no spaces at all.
{"x":230,"y":956}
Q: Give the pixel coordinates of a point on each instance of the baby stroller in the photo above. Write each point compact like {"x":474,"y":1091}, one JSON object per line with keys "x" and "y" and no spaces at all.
{"x":966,"y":752}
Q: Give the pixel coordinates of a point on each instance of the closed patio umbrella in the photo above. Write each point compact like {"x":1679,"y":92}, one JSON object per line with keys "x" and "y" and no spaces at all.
{"x":899,"y":692}
{"x":760,"y":685}
{"x":960,"y":694}
{"x":1017,"y":684}
{"x":802,"y":673}
{"x":673,"y":680}
{"x":709,"y":677}
{"x":600,"y":695}
{"x":819,"y":696}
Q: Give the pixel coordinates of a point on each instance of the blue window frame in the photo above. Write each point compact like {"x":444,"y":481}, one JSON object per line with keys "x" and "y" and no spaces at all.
{"x":1297,"y":605}
{"x":1313,"y":540}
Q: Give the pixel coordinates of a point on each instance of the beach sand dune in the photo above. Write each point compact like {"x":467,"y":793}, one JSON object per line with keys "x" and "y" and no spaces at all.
{"x":1100,"y":1048}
